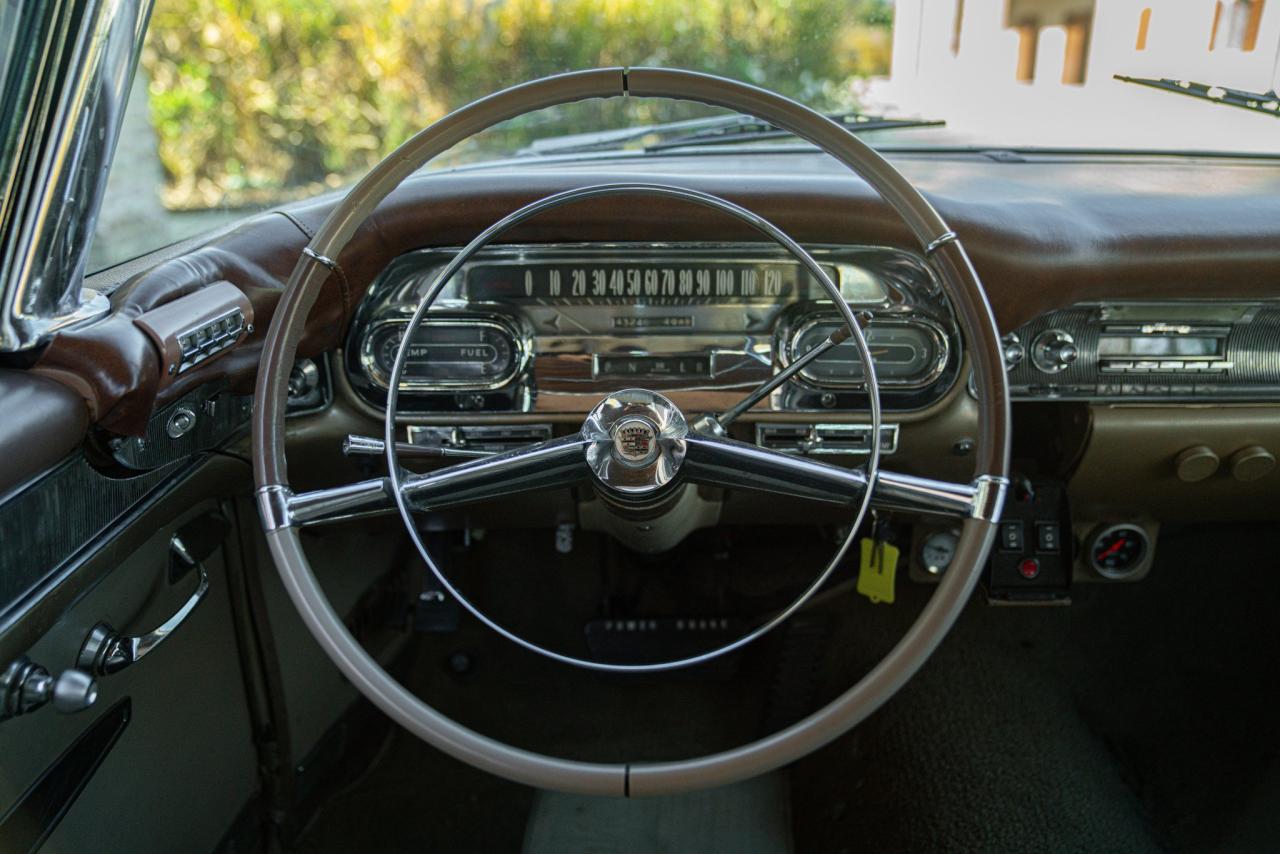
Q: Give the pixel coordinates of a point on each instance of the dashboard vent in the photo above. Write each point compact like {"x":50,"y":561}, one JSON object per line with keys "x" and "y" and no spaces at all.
{"x":493,"y":438}
{"x":825,"y":438}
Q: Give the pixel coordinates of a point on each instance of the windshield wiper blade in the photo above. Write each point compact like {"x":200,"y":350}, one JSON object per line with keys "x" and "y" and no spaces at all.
{"x":604,"y":140}
{"x":747,"y":128}
{"x":1267,"y":103}
{"x":715,"y":130}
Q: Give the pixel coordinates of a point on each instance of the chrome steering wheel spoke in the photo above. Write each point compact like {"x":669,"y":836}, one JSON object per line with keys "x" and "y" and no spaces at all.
{"x":723,"y":462}
{"x":536,"y":468}
{"x":547,"y":465}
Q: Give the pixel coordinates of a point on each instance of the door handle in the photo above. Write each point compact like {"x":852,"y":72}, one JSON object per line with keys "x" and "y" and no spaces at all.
{"x":106,"y":651}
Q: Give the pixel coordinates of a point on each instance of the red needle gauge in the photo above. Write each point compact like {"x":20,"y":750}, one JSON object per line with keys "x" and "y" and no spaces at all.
{"x":1112,"y":549}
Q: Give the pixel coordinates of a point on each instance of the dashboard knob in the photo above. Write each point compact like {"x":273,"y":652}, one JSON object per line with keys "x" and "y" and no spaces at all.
{"x":1014,"y":352}
{"x":1251,"y":463}
{"x":1053,"y":351}
{"x":1195,"y":464}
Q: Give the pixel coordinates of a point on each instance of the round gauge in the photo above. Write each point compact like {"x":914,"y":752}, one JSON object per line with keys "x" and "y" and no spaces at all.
{"x":905,"y":354}
{"x":1119,"y":551}
{"x":388,"y":344}
{"x":937,"y":551}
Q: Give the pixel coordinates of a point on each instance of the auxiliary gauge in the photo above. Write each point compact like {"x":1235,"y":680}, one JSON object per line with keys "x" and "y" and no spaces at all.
{"x":937,"y":551}
{"x":1119,"y":551}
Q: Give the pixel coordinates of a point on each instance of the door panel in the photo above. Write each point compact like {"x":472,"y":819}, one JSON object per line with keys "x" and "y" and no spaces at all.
{"x":184,"y":766}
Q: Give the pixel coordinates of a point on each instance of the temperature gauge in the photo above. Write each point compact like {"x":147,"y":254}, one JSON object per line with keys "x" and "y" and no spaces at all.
{"x":1119,"y":551}
{"x":454,"y":353}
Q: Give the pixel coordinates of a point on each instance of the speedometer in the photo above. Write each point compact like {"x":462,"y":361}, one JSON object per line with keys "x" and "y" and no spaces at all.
{"x":906,"y":354}
{"x":462,"y":353}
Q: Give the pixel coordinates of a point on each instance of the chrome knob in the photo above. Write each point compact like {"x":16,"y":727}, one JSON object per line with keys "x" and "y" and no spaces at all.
{"x":1054,"y":351}
{"x":74,"y":691}
{"x":1014,"y":353}
{"x":26,"y":686}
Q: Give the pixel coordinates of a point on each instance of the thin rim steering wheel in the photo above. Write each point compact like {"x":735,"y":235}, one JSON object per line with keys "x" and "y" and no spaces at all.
{"x":598,"y":438}
{"x":722,"y":461}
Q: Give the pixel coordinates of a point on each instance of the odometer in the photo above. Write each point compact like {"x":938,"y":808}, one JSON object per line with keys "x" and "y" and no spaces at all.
{"x":463,"y":353}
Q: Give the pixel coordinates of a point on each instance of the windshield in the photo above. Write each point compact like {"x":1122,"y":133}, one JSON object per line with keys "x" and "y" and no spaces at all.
{"x":242,"y":105}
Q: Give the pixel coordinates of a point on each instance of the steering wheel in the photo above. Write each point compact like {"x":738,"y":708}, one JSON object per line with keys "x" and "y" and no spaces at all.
{"x":636,"y":447}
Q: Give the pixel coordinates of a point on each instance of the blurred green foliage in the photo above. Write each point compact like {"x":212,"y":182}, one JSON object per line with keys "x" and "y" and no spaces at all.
{"x":257,"y":101}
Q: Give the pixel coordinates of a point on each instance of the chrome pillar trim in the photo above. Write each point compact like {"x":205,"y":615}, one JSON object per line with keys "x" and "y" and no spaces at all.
{"x":898,"y":491}
{"x":636,"y":441}
{"x":940,"y":241}
{"x":988,"y":497}
{"x":273,"y":506}
{"x":322,"y":259}
{"x":70,"y":85}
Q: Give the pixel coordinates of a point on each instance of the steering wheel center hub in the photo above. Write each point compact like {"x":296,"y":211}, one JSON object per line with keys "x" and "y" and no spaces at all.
{"x":636,"y":442}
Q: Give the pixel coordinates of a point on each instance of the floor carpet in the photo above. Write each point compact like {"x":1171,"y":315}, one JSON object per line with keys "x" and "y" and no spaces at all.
{"x":1138,"y":718}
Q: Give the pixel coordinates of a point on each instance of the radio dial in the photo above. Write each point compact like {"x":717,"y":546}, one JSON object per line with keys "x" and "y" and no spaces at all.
{"x":1054,"y":351}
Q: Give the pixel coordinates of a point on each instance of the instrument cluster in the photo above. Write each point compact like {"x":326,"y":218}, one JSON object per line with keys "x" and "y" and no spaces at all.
{"x":550,"y":328}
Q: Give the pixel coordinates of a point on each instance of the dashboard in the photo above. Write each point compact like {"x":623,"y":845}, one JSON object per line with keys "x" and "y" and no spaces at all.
{"x":1137,"y":295}
{"x":551,"y":328}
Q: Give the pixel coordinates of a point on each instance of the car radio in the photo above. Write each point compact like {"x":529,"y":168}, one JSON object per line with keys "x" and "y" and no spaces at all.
{"x":1162,"y":347}
{"x":1190,"y":351}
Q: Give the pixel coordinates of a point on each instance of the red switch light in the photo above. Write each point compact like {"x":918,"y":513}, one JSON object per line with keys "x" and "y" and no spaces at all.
{"x":1029,"y":568}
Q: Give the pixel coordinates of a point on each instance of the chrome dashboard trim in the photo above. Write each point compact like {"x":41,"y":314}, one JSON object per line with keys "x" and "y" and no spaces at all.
{"x":563,"y":341}
{"x":767,"y":435}
{"x":1247,"y":369}
{"x":786,"y":350}
{"x":519,"y":343}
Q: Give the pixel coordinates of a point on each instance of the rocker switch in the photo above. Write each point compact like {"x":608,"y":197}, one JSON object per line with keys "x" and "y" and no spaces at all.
{"x":1048,"y":537}
{"x":1011,"y":539}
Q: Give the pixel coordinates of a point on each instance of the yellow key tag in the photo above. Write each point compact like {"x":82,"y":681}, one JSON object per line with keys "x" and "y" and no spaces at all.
{"x":876,"y":572}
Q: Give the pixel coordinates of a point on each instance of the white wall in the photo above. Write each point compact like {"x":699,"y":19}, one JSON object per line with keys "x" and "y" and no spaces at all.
{"x":975,"y":91}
